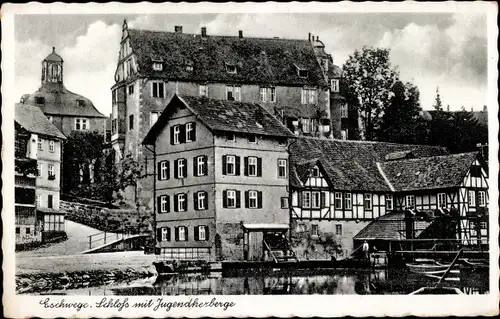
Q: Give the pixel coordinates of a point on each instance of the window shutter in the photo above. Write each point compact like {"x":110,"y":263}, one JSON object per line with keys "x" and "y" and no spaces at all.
{"x":237,"y":168}
{"x":206,"y":200}
{"x":182,"y":135}
{"x":259,"y":166}
{"x":185,"y":202}
{"x":224,"y":162}
{"x":245,"y":166}
{"x":176,"y":168}
{"x":168,"y":233}
{"x":247,"y":199}
{"x":207,"y":237}
{"x":238,"y":199}
{"x":185,"y":168}
{"x":168,"y":170}
{"x":158,"y":234}
{"x":196,"y":233}
{"x":158,"y":204}
{"x":259,"y":199}
{"x":176,"y":203}
{"x":224,"y":199}
{"x":171,"y":135}
{"x":194,"y":131}
{"x":176,"y":233}
{"x":186,"y":238}
{"x":205,"y":165}
{"x":323,"y":200}
{"x":195,"y":168}
{"x":168,"y":203}
{"x":159,"y":171}
{"x":195,"y":200}
{"x":300,"y":198}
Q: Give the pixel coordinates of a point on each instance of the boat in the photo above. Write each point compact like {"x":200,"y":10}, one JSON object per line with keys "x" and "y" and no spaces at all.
{"x":437,"y":291}
{"x":427,"y":268}
{"x":475,"y":263}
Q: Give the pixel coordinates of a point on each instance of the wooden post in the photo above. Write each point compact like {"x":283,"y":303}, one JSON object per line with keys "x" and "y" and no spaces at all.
{"x":449,"y":268}
{"x":90,"y":242}
{"x":104,"y":238}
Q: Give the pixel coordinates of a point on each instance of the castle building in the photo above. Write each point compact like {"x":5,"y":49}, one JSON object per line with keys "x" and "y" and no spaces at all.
{"x":38,"y":147}
{"x":68,"y":111}
{"x":221,"y":178}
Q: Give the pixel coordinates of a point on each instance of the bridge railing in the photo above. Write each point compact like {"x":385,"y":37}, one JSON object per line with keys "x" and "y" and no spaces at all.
{"x":102,"y":238}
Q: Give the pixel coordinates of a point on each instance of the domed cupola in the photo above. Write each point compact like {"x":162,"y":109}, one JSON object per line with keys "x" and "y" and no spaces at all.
{"x":52,"y":68}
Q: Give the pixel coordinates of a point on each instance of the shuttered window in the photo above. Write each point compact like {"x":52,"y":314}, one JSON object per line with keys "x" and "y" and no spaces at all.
{"x":163,"y":170}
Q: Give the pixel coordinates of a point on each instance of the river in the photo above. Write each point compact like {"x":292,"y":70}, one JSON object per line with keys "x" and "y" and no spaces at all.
{"x":318,"y":281}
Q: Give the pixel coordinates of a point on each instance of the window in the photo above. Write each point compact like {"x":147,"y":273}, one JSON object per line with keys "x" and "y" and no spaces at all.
{"x":182,"y":233}
{"x":344,"y":134}
{"x":18,"y":230}
{"x":131,"y":122}
{"x":252,"y":199}
{"x":338,"y":200}
{"x":388,"y":202}
{"x":314,"y":230}
{"x":334,"y":85}
{"x":368,"y":201}
{"x":230,"y":137}
{"x":81,"y":124}
{"x":40,"y":141}
{"x":472,"y":198}
{"x":200,"y":200}
{"x":51,"y":146}
{"x":28,"y":230}
{"x":203,"y":90}
{"x":338,"y":229}
{"x":410,"y":201}
{"x":306,"y":199}
{"x":475,"y":171}
{"x":51,"y":172}
{"x":315,"y":172}
{"x":282,"y":168}
{"x":165,"y":234}
{"x":347,"y":201}
{"x":153,"y":117}
{"x":303,"y":73}
{"x":344,"y":111}
{"x":80,"y":103}
{"x":190,"y":132}
{"x":164,"y":170}
{"x":51,"y":118}
{"x":441,"y":198}
{"x":181,"y":203}
{"x":252,"y":166}
{"x":164,"y":204}
{"x":233,"y":93}
{"x":157,"y":66}
{"x":202,"y":233}
{"x":230,"y":166}
{"x":308,"y":96}
{"x":284,"y":202}
{"x":158,"y":89}
{"x":38,"y":200}
{"x":231,"y":68}
{"x":39,"y":100}
{"x":40,"y":169}
{"x":177,"y":133}
{"x":181,"y":168}
{"x":50,"y":200}
{"x":252,"y":138}
{"x":189,"y":67}
{"x":113,"y":96}
{"x":231,"y":199}
{"x":267,"y":94}
{"x":130,"y":89}
{"x":316,"y":199}
{"x":201,"y":166}
{"x":481,"y":198}
{"x":283,"y":142}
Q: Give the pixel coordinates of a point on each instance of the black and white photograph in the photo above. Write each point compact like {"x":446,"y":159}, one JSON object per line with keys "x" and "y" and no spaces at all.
{"x":184,"y":159}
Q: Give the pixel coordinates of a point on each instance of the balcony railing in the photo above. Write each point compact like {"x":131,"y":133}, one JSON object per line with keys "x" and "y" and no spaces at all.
{"x":26,"y":166}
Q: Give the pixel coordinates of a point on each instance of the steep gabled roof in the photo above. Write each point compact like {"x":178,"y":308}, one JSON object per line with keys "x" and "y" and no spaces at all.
{"x":222,"y":115}
{"x":428,"y":172}
{"x":257,"y":60}
{"x":352,"y":165}
{"x":33,"y":120}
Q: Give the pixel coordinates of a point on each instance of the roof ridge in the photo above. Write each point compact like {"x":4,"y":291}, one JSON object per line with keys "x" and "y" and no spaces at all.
{"x":433,"y":156}
{"x":384,"y":176}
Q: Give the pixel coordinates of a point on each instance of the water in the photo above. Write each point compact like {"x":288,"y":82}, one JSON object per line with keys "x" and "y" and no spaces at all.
{"x":297,"y":282}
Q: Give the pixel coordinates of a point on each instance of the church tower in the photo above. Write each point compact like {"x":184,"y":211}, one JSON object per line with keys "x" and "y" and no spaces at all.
{"x":52,"y":68}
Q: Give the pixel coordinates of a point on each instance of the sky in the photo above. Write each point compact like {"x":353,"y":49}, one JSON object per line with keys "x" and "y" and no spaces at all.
{"x":445,"y":50}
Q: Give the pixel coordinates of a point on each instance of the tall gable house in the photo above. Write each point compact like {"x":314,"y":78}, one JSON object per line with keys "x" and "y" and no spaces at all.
{"x":286,"y":76}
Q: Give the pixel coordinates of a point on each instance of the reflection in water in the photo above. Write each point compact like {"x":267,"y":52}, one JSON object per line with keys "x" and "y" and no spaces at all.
{"x":329,"y":282}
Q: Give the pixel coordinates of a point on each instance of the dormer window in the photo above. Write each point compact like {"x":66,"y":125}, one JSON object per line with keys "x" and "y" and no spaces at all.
{"x":189,"y":68}
{"x":189,"y":65}
{"x":302,"y":72}
{"x":334,"y":85}
{"x":40,"y":100}
{"x":231,"y":68}
{"x":80,"y":103}
{"x":157,"y":66}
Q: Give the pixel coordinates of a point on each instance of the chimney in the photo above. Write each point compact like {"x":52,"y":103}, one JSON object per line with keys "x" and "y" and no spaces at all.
{"x":447,"y":108}
{"x":203,"y":32}
{"x":309,"y":36}
{"x":485,"y":108}
{"x":240,"y":34}
{"x":178,"y":29}
{"x":317,"y":38}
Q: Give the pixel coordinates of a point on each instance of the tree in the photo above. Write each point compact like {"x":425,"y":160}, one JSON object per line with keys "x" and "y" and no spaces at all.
{"x":438,"y":104}
{"x":117,"y":177}
{"x":369,"y":77}
{"x":401,"y":122}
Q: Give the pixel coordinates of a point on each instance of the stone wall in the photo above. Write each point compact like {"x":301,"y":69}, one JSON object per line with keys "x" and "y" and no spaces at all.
{"x":107,"y":219}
